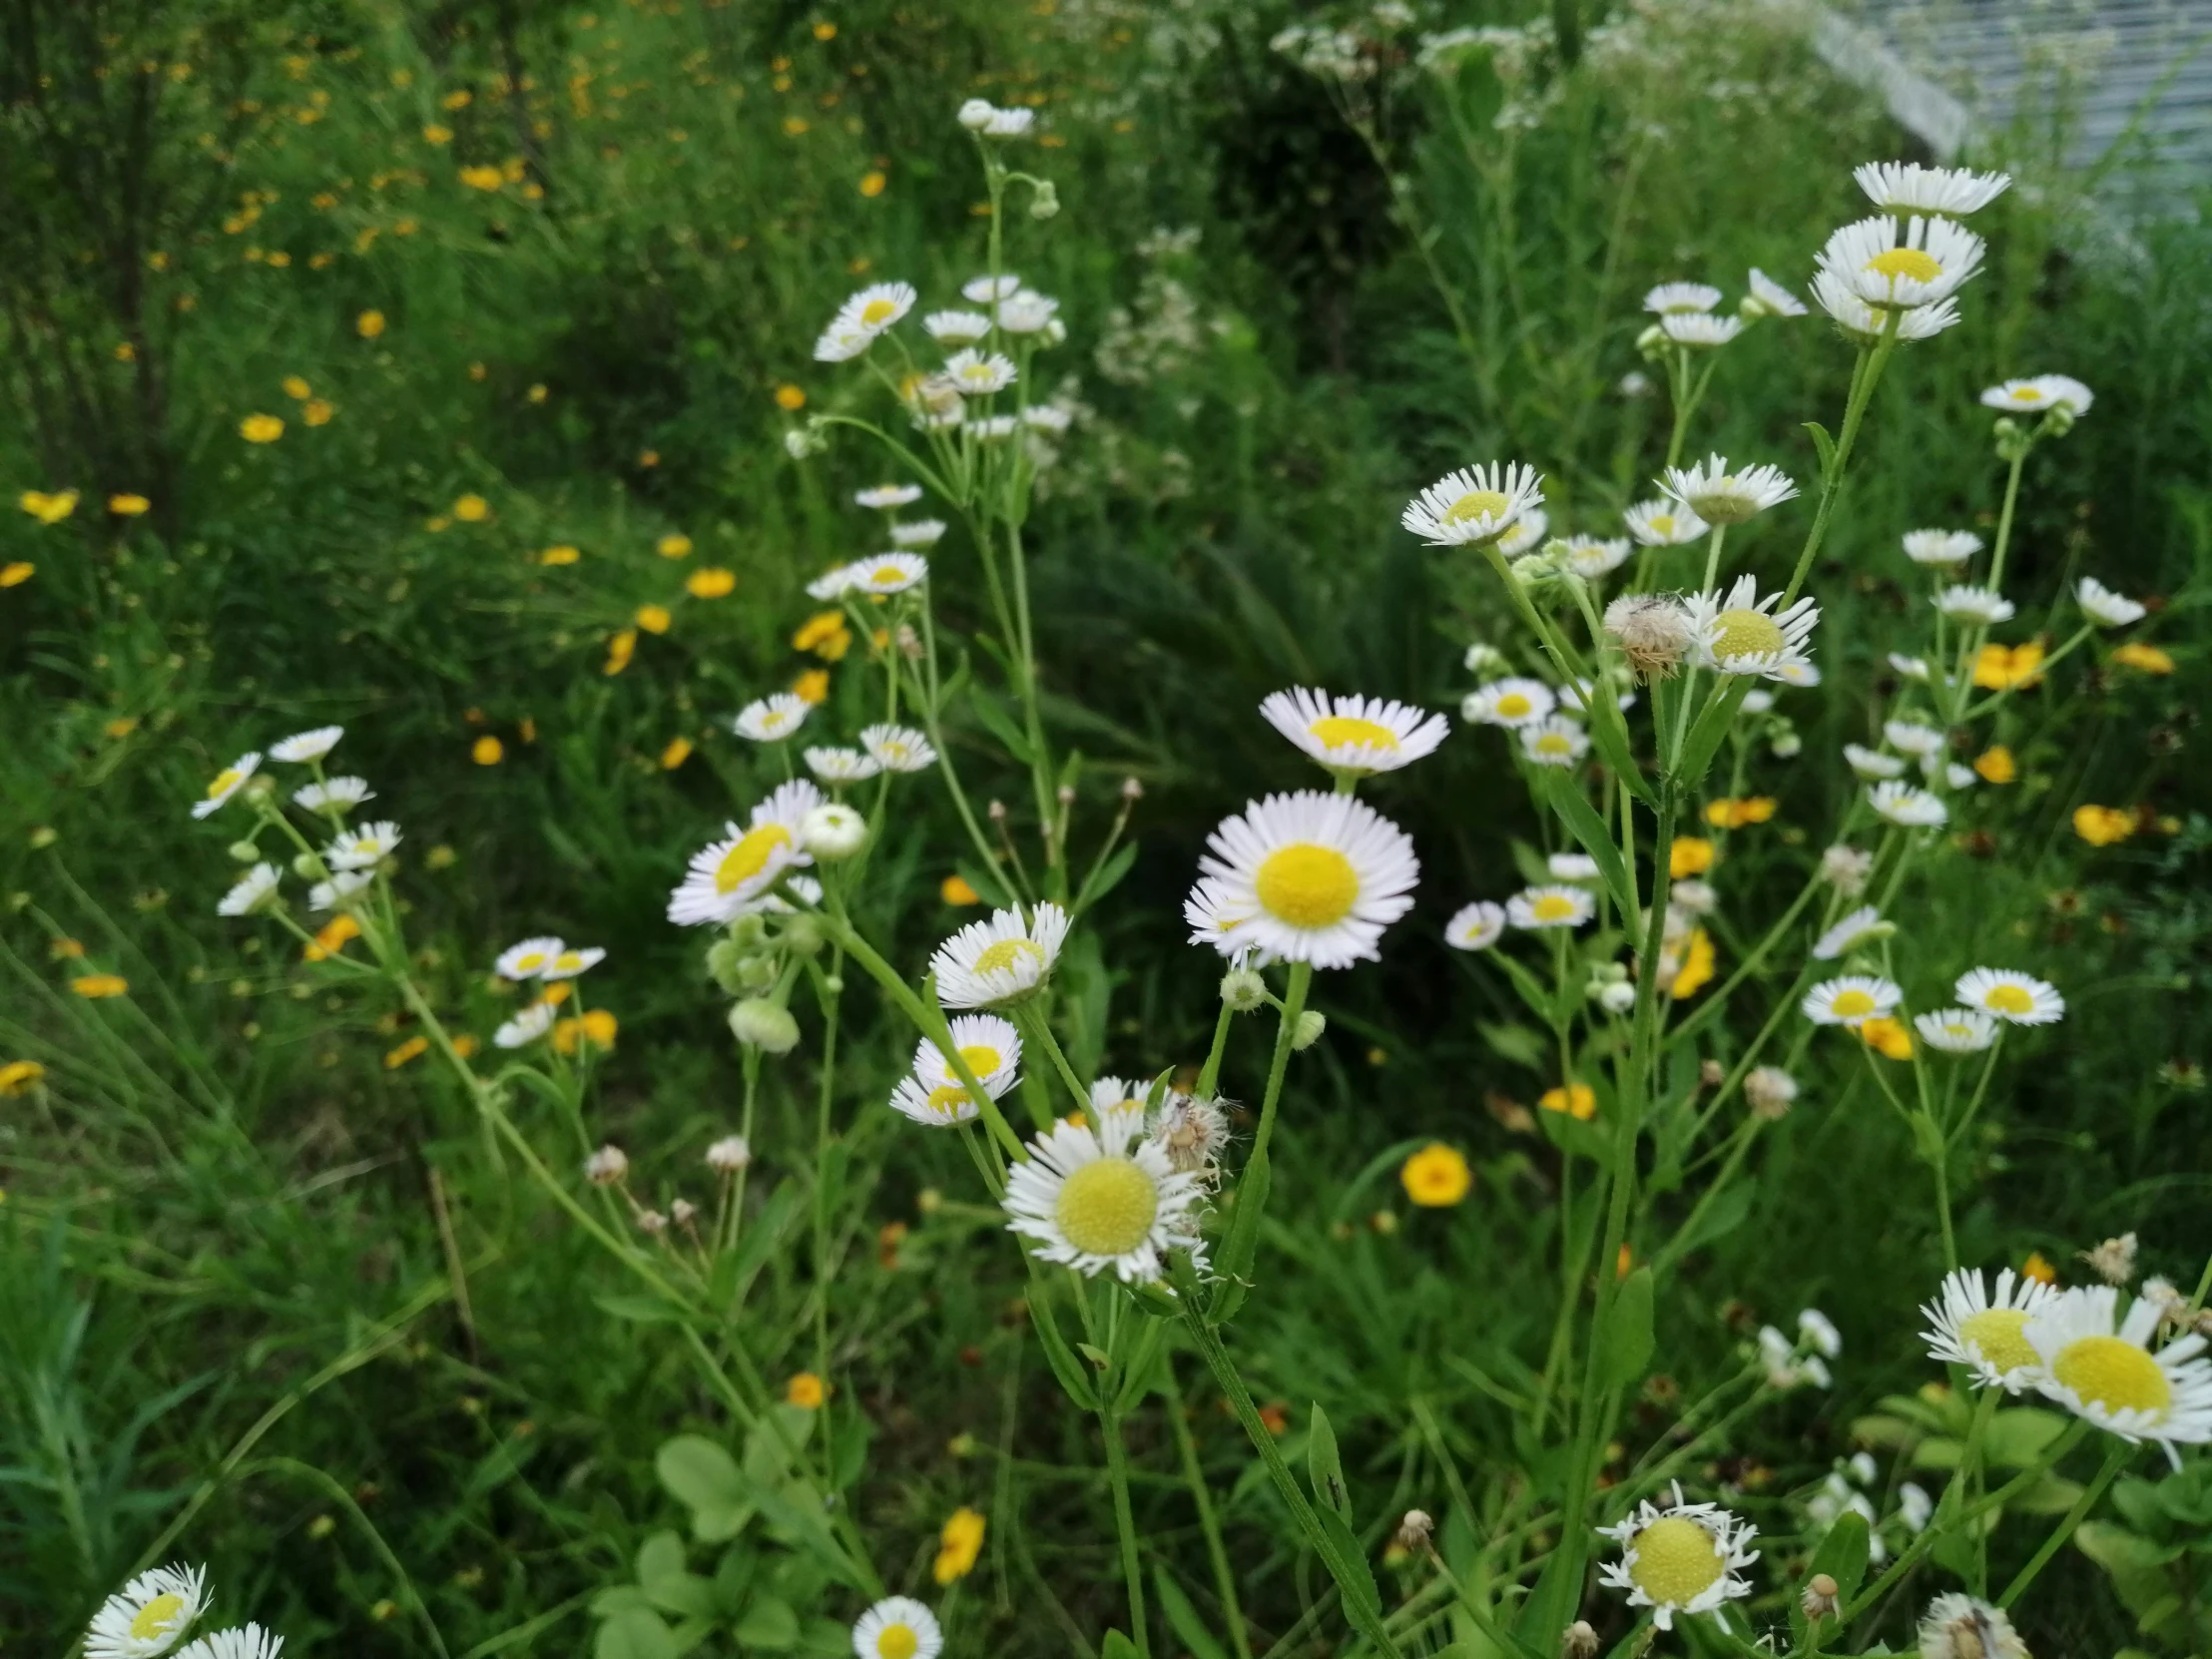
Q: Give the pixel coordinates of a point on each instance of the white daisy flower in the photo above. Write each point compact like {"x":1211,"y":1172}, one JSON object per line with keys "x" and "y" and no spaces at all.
{"x":771,"y":718}
{"x":1591,"y":557}
{"x":1863,"y":926}
{"x":1910,"y":188}
{"x":981,"y":291}
{"x":875,"y":309}
{"x":228,"y":783}
{"x":729,"y":876}
{"x":1027,"y":312}
{"x":1571,"y":866}
{"x":2114,"y":1378}
{"x":526,"y":1027}
{"x":1902,"y":804}
{"x":342,"y":885}
{"x":1958,"y":1626}
{"x":922,"y":532}
{"x":1979,"y":607}
{"x":149,"y":1615}
{"x":1740,"y":633}
{"x":572,"y":960}
{"x":1352,"y":734}
{"x":1719,"y":496}
{"x":1005,"y":123}
{"x":1912,"y":737}
{"x":1895,"y":264}
{"x":1663,"y":523}
{"x":838,"y":344}
{"x":1508,"y":701}
{"x":887,"y":573}
{"x":245,"y":1642}
{"x":1551,"y":905}
{"x":332,"y":794}
{"x":1104,"y":1195}
{"x":1674,"y":298}
{"x":842,"y":765}
{"x":1850,"y":1000}
{"x":1557,"y":742}
{"x":1940,"y":547}
{"x":1768,"y":298}
{"x":1047,"y":417}
{"x":1913,"y":668}
{"x":2041,"y":392}
{"x":979,"y":373}
{"x":1861,"y":320}
{"x":1473,"y":505}
{"x":362,"y":849}
{"x":1680,"y":1559}
{"x":897,"y":748}
{"x":529,"y":960}
{"x":999,"y":426}
{"x":956,"y":328}
{"x":307,"y":746}
{"x":2015,"y":998}
{"x":1870,"y":764}
{"x":831,"y":583}
{"x":1525,"y":535}
{"x":2104,"y":607}
{"x":1002,"y":960}
{"x":1305,"y":876}
{"x":897,"y":1627}
{"x":1476,"y":926}
{"x":887,"y":497}
{"x":933,"y":1093}
{"x":1961,"y":777}
{"x":1820,"y":1331}
{"x":1699,"y":330}
{"x":250,"y":892}
{"x":1957,"y":1030}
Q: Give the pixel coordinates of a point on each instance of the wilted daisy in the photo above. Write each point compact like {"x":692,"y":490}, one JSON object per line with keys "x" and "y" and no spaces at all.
{"x":1977,"y":607}
{"x":1101,"y":1196}
{"x":1889,"y":263}
{"x":1872,"y":763}
{"x":1863,"y":926}
{"x":251,"y":892}
{"x":842,"y":765}
{"x":1305,"y":876}
{"x":2114,"y":1378}
{"x":342,"y":885}
{"x":1677,"y":299}
{"x":1768,"y":298}
{"x":1850,"y":1000}
{"x":729,"y":876}
{"x":1740,"y":633}
{"x":1770,"y":1091}
{"x":897,"y":748}
{"x":1353,"y":734}
{"x":1941,"y":548}
{"x":1985,"y":1331}
{"x":1551,"y":905}
{"x":922,"y":532}
{"x":1910,"y":188}
{"x":1528,"y":531}
{"x":149,"y":1615}
{"x":771,"y":719}
{"x":2104,"y":607}
{"x":1720,"y":497}
{"x":1473,"y":505}
{"x":1591,"y":557}
{"x":307,"y":746}
{"x":1861,"y":320}
{"x":526,"y":1027}
{"x":529,"y":960}
{"x":1957,"y":1030}
{"x":2015,"y":998}
{"x":2041,"y":392}
{"x":1914,"y":809}
{"x":227,"y":783}
{"x":1699,"y":330}
{"x":1191,"y":1131}
{"x":1663,"y":523}
{"x":979,"y":373}
{"x":1958,"y":1626}
{"x":362,"y":849}
{"x":1680,"y":1559}
{"x":887,"y":497}
{"x":876,"y":308}
{"x":1555,"y":741}
{"x":332,"y":794}
{"x":897,"y":1627}
{"x":1476,"y":926}
{"x":1912,"y":737}
{"x":887,"y":573}
{"x":956,"y":328}
{"x":987,"y":963}
{"x":1508,"y":701}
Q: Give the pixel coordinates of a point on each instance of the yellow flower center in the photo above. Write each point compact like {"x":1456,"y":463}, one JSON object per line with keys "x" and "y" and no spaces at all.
{"x":2117,"y":1376}
{"x":1340,"y":730}
{"x":158,"y":1617}
{"x":1661,"y":524}
{"x":568,"y":961}
{"x":1107,"y":1208}
{"x":980,"y":373}
{"x":1007,"y":953}
{"x":888,"y":574}
{"x":2000,"y":1335}
{"x":1677,"y":1561}
{"x":947,"y":1099}
{"x":982,"y":1058}
{"x":1746,"y":634}
{"x":1552,"y":906}
{"x":1851,"y":1004}
{"x":530,"y":963}
{"x":1513,"y":704}
{"x":2009,"y":999}
{"x":224,"y":780}
{"x":1475,"y":505}
{"x":1912,"y":262}
{"x":876,"y":313}
{"x":750,"y":857}
{"x":1554,"y":743}
{"x":890,"y":750}
{"x":897,"y":1641}
{"x":1307,"y":885}
{"x":2027,"y":395}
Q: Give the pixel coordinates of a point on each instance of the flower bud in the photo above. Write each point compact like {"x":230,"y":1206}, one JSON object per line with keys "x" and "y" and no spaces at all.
{"x":754,"y":974}
{"x":307,"y":867}
{"x":1044,"y":202}
{"x":1242,"y":990}
{"x":761,"y":1024}
{"x":1310,"y":1027}
{"x":729,"y":1155}
{"x":725,"y":964}
{"x":803,"y":934}
{"x":975,"y":114}
{"x":607,"y":1165}
{"x":832,"y":831}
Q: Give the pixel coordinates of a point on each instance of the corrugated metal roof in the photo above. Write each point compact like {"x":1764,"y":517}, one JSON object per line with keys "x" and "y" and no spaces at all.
{"x":2135,"y":73}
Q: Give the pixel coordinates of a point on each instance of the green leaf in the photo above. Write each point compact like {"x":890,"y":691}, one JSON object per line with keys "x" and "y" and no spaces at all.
{"x":772,"y":1442}
{"x":1842,"y":1556}
{"x":640,"y":1309}
{"x":1117,"y":1646}
{"x":1244,"y":1238}
{"x":661,"y":1556}
{"x":769,"y":1624}
{"x":705,"y":1480}
{"x":1107,"y":878}
{"x":1350,"y":1568}
{"x":1325,"y":1468}
{"x":1524,"y":1046}
{"x":1825,"y":444}
{"x":1575,"y":812}
{"x":1628,"y":1339}
{"x":1002,"y":724}
{"x":634,"y":1635}
{"x":1182,"y":1618}
{"x":2017,"y":1438}
{"x":1712,"y":726}
{"x":1074,"y":1377}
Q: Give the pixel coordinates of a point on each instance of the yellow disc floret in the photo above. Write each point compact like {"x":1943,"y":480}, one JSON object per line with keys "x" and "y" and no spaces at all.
{"x":1910,"y":262}
{"x":750,"y":857}
{"x":1552,"y":906}
{"x":2009,"y":999}
{"x":224,"y":781}
{"x":1307,"y":885}
{"x":1107,"y":1208}
{"x":982,"y":1058}
{"x":947,"y":1099}
{"x":2000,"y":1335}
{"x":1006,"y":953}
{"x":1677,"y":1561}
{"x":2115,"y":1375}
{"x":1851,"y":1004}
{"x":1745,"y":633}
{"x":158,"y":1617}
{"x":1514,"y":705}
{"x":1342,"y":732}
{"x":876,"y":313}
{"x":1475,"y":505}
{"x":897,"y":1641}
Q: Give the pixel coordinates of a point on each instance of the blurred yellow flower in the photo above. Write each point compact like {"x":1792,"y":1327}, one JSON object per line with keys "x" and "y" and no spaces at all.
{"x":827,"y":30}
{"x":1696,"y":971}
{"x":620,"y":649}
{"x":125,"y":352}
{"x":412,"y":1049}
{"x":121,"y":727}
{"x":97,"y":986}
{"x":464,"y":1045}
{"x":2038,"y":1268}
{"x":260,"y":429}
{"x":331,"y":938}
{"x":1688,"y":856}
{"x":812,"y":686}
{"x":675,"y":545}
{"x":62,"y":950}
{"x":471,"y":509}
{"x":127,"y":505}
{"x":482,"y":177}
{"x":298,"y":390}
{"x":456,"y":100}
{"x":48,"y":509}
{"x":488,"y":751}
{"x":369,"y":324}
{"x":954,"y":889}
{"x":1886,"y":1037}
{"x":676,"y":753}
{"x":1734,"y":814}
{"x":711,"y":583}
{"x":595,"y":1026}
{"x":18,"y":1075}
{"x":1437,"y":1176}
{"x":560,"y":554}
{"x":528,"y":729}
{"x":434,"y":134}
{"x":1995,"y":765}
{"x":1578,"y":1100}
{"x":1999,"y":668}
{"x":649,"y":457}
{"x":789,"y":397}
{"x":817,"y":628}
{"x":654,"y":619}
{"x":959,"y":1543}
{"x":17,"y":572}
{"x":318,"y":411}
{"x":871,"y":184}
{"x":2146,"y":658}
{"x":537,"y":392}
{"x":805,"y":1390}
{"x":793,"y":125}
{"x":2103,"y":826}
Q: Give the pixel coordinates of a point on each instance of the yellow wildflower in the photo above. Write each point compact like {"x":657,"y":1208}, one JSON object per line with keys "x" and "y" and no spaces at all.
{"x":94,"y":987}
{"x":412,"y":1049}
{"x":676,"y":753}
{"x":260,"y":429}
{"x":675,"y":545}
{"x":1734,"y":814}
{"x":654,"y":619}
{"x":18,"y":1075}
{"x":1995,"y":765}
{"x":805,"y":1390}
{"x":16,"y":572}
{"x":48,"y":509}
{"x":369,"y":324}
{"x":488,"y":751}
{"x":2148,"y":659}
{"x":127,"y":505}
{"x":1437,"y":1177}
{"x":954,"y":889}
{"x":1688,"y":856}
{"x":471,"y":509}
{"x":1578,"y":1100}
{"x":1887,"y":1037}
{"x":620,"y":649}
{"x":560,"y":554}
{"x":2103,"y":826}
{"x":2002,"y":668}
{"x":959,"y":1544}
{"x":790,"y":397}
{"x":1696,"y":971}
{"x":711,"y":583}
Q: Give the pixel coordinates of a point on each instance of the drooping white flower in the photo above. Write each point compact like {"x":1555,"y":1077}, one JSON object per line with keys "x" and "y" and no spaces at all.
{"x":2104,"y":607}
{"x":307,"y":745}
{"x":227,"y":783}
{"x":1911,"y":188}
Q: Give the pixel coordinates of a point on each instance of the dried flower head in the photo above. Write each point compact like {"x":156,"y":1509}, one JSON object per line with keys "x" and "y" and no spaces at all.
{"x":1654,"y":630}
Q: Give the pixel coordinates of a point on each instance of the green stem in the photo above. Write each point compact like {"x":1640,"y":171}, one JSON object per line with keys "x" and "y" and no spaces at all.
{"x":1201,"y":1498}
{"x":2114,"y":1461}
{"x":1125,"y":1520}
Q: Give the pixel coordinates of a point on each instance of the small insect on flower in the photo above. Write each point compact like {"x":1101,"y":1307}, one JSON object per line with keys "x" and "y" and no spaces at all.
{"x":149,"y":1615}
{"x":1654,"y":632}
{"x":2015,"y":998}
{"x":989,"y":963}
{"x":1189,"y":1130}
{"x":1474,"y":505}
{"x":1305,"y":876}
{"x":1101,"y":1196}
{"x":1680,"y":1559}
{"x":2104,"y":607}
{"x":2114,"y":1378}
{"x":771,"y":719}
{"x":897,"y":1627}
{"x":2044,"y":391}
{"x":1663,"y":523}
{"x":1551,"y":906}
{"x":1352,"y":735}
{"x":1850,"y":1000}
{"x":738,"y":872}
{"x":1437,"y":1177}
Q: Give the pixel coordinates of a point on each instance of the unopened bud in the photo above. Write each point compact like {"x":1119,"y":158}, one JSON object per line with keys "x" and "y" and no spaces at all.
{"x":652,"y":1221}
{"x":1242,"y":990}
{"x":1044,"y":201}
{"x":725,"y":964}
{"x":1131,"y":789}
{"x":246,"y":853}
{"x":996,"y":812}
{"x":607,"y":1165}
{"x":1310,"y":1027}
{"x":754,"y":974}
{"x":766,"y":1026}
{"x":683,"y":1212}
{"x":803,"y":933}
{"x":1819,"y":1599}
{"x":307,"y":867}
{"x":1065,"y":795}
{"x":1710,"y":1074}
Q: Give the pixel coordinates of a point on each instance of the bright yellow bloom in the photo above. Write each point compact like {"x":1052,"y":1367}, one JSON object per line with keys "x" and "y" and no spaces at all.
{"x":1688,"y":856}
{"x":472,"y":510}
{"x":2103,"y":826}
{"x":1995,"y":765}
{"x":97,"y":986}
{"x":1734,"y":814}
{"x":676,"y":753}
{"x":596,"y":1026}
{"x":2001,"y":668}
{"x":871,"y":184}
{"x":412,"y":1049}
{"x":482,"y":177}
{"x":620,"y":649}
{"x":331,"y":939}
{"x":434,"y":134}
{"x":805,"y":1390}
{"x":2038,"y":1268}
{"x":711,"y":583}
{"x":62,"y":950}
{"x":812,"y":686}
{"x":298,"y":390}
{"x":127,"y":505}
{"x":1887,"y":1037}
{"x":675,"y":545}
{"x":260,"y":429}
{"x":790,"y":397}
{"x":834,"y":648}
{"x":1437,"y":1177}
{"x":18,"y":1075}
{"x":318,"y":411}
{"x":959,"y":1544}
{"x":488,"y":751}
{"x":817,"y":628}
{"x":1696,"y":971}
{"x":1578,"y":1100}
{"x":2146,"y":658}
{"x":369,"y":324}
{"x":654,"y":619}
{"x":48,"y":509}
{"x":560,"y":554}
{"x":954,"y":889}
{"x":17,"y":572}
